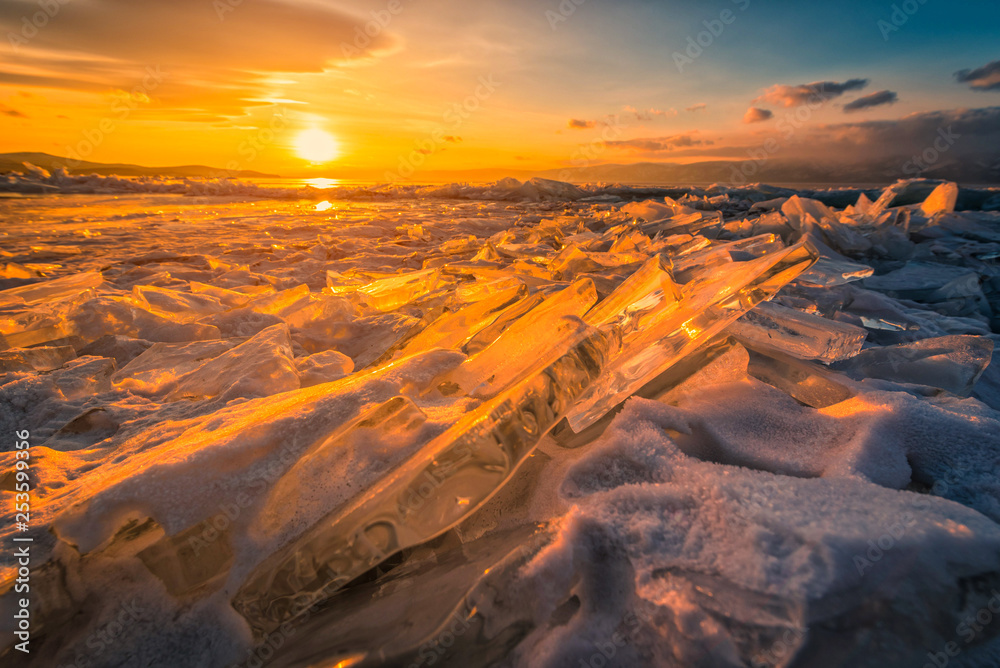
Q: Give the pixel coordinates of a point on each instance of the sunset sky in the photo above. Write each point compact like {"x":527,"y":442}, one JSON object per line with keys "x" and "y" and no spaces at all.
{"x":448,"y":85}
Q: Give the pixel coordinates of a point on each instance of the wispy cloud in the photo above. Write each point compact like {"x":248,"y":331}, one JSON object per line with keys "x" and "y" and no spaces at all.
{"x":817,"y":91}
{"x":986,"y":77}
{"x":10,"y":111}
{"x":757,"y":115}
{"x":701,"y":106}
{"x":871,"y":100}
{"x":215,"y":63}
{"x":648,"y":114}
{"x":580,"y":124}
{"x":653,"y":144}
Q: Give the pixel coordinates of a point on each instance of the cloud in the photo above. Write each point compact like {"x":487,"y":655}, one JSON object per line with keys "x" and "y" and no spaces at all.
{"x":818,"y":91}
{"x":651,"y":144}
{"x":986,"y":77}
{"x":263,"y":35}
{"x":757,"y":115}
{"x":701,"y":106}
{"x":215,"y":61}
{"x":972,"y":135}
{"x":648,"y":114}
{"x":452,"y":138}
{"x":10,"y":111}
{"x":579,"y":124}
{"x":965,"y":132}
{"x":872,"y":100}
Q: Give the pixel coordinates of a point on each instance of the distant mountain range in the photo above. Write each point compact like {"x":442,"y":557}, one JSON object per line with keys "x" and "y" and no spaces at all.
{"x":984,"y":170}
{"x":969,"y":171}
{"x":14,"y":162}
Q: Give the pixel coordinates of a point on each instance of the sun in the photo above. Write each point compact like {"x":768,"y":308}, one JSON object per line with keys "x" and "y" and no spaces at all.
{"x":316,"y":145}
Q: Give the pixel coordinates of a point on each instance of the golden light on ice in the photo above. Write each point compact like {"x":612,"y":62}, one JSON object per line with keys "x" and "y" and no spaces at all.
{"x":316,"y":145}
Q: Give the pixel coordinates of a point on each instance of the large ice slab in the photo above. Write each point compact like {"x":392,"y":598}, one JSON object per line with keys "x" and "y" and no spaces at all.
{"x":925,"y":281}
{"x":52,"y":290}
{"x":708,"y":305}
{"x":952,"y":363}
{"x":532,"y":342}
{"x":259,"y":366}
{"x":803,"y":335}
{"x":449,"y":478}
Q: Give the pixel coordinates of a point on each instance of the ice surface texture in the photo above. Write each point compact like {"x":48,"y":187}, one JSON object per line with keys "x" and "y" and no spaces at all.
{"x":544,"y":415}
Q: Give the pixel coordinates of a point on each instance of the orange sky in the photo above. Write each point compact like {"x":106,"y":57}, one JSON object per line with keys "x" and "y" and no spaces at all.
{"x":409,"y":87}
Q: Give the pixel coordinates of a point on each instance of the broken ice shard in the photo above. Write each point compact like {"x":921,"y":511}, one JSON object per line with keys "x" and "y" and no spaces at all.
{"x":54,"y":290}
{"x":186,"y":561}
{"x":306,"y":492}
{"x":156,"y":370}
{"x":260,"y":366}
{"x":652,"y":286}
{"x":927,"y":282}
{"x":952,"y":363}
{"x":179,"y":306}
{"x":828,"y":273}
{"x":707,"y":306}
{"x":386,"y":294}
{"x":801,"y":335}
{"x":503,"y":321}
{"x":530,"y":343}
{"x":441,"y":484}
{"x":807,"y":382}
{"x":323,"y":367}
{"x":941,"y":200}
{"x":35,"y":359}
{"x":451,"y":330}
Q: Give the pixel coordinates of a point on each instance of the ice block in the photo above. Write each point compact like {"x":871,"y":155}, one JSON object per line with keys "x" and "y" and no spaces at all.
{"x":440,"y":485}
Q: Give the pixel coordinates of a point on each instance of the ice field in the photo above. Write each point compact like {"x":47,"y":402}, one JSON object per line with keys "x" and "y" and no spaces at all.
{"x":519,"y":424}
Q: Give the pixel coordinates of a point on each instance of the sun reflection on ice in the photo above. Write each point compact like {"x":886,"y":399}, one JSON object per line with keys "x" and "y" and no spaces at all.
{"x":322,"y":183}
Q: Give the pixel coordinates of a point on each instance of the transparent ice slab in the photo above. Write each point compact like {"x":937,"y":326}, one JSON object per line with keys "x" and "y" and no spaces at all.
{"x":44,"y":358}
{"x":387,"y":294}
{"x":807,"y":382}
{"x":707,"y":306}
{"x":952,"y":363}
{"x":452,"y":330}
{"x":827,"y":273}
{"x":801,"y":335}
{"x":530,"y":343}
{"x":53,"y":290}
{"x":188,"y":560}
{"x":443,"y":483}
